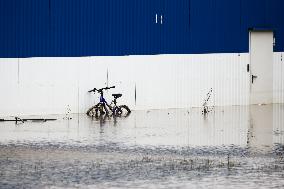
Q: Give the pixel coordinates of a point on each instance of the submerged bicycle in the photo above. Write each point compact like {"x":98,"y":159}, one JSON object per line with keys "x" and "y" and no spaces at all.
{"x":103,"y":108}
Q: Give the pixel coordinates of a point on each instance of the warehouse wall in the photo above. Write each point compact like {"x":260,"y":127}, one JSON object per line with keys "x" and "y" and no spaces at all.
{"x":75,"y":28}
{"x":50,"y":85}
{"x":278,"y":78}
{"x":170,"y":53}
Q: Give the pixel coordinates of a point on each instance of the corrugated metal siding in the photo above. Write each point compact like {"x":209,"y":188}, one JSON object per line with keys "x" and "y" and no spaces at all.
{"x":183,"y":81}
{"x":278,"y":78}
{"x":49,"y":28}
{"x":9,"y":23}
{"x":278,"y":124}
{"x":175,"y":30}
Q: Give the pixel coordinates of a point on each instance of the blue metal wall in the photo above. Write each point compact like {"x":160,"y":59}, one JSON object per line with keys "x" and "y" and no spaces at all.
{"x":48,"y":28}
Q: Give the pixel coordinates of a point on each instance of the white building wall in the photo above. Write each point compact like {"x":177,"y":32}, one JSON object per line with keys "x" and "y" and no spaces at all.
{"x":278,"y":78}
{"x":50,"y":85}
{"x":278,"y":124}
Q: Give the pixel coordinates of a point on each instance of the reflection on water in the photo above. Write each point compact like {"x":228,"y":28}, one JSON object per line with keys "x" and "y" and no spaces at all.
{"x":231,"y":146}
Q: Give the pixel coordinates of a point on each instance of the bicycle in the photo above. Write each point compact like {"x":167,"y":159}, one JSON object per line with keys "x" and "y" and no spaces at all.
{"x":103,"y":108}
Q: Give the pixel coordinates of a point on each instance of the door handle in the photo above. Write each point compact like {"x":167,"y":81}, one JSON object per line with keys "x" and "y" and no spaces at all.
{"x":253,"y":77}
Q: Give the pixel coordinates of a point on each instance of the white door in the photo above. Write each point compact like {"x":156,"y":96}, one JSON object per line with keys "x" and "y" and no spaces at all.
{"x":261,"y":67}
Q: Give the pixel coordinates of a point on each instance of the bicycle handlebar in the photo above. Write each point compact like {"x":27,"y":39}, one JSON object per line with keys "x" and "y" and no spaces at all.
{"x":106,"y":88}
{"x":93,"y":90}
{"x":100,"y":90}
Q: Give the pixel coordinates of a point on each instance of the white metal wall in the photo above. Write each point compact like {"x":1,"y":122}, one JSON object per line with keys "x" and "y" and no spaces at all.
{"x":278,"y":78}
{"x":50,"y":85}
{"x":278,"y":124}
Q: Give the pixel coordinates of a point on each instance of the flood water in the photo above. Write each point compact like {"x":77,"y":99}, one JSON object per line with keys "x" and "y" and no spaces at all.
{"x":231,"y":147}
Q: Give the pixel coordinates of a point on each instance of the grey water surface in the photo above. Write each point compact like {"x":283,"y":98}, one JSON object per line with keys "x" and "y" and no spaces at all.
{"x":231,"y":147}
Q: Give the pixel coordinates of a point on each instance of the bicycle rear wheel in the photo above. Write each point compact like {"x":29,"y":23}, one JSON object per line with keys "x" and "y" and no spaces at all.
{"x":123,"y":110}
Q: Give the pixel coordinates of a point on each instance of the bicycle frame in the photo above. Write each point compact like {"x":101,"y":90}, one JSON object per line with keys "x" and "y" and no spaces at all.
{"x":102,"y":99}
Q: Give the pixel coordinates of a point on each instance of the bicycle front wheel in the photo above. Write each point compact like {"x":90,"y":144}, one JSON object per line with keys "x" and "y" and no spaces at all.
{"x":91,"y":111}
{"x":96,"y":111}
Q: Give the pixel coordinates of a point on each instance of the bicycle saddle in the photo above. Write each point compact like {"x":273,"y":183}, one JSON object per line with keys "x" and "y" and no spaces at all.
{"x":116,"y":95}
